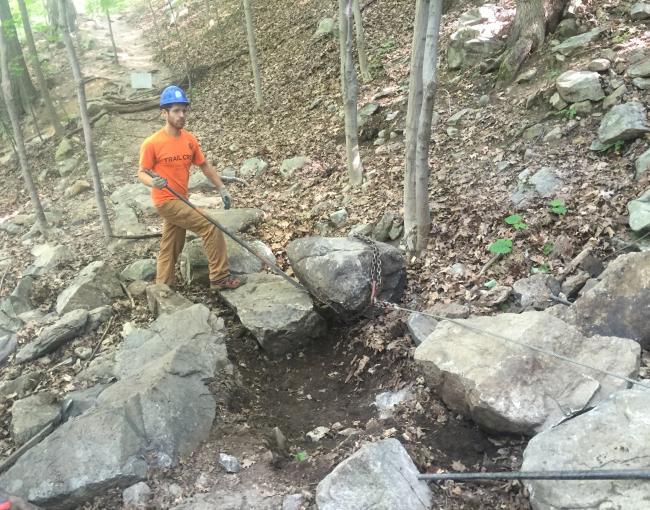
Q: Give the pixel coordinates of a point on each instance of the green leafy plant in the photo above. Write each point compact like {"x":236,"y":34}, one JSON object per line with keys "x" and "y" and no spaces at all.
{"x":618,"y":146}
{"x":501,"y":246}
{"x":547,"y":249}
{"x":557,"y":207}
{"x":570,"y":112}
{"x":540,"y":269}
{"x":301,"y":456}
{"x":516,"y":221}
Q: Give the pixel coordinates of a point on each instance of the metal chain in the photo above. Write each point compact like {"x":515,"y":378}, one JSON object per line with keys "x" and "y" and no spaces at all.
{"x":375,"y":266}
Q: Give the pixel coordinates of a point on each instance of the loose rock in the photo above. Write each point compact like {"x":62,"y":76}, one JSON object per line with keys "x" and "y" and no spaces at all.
{"x":163,"y":300}
{"x":253,"y":167}
{"x":96,"y":285}
{"x":639,"y":210}
{"x":143,"y":269}
{"x":136,"y":496}
{"x":576,"y":86}
{"x":623,"y":122}
{"x":229,"y":463}
{"x":30,"y":415}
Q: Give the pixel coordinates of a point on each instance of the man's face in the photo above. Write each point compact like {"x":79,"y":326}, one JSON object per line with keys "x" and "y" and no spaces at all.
{"x":176,"y":115}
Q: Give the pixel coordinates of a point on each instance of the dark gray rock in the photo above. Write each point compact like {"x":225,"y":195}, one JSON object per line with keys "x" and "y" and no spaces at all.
{"x":336,"y":269}
{"x":381,"y":230}
{"x":594,"y":441}
{"x":574,"y":283}
{"x":31,"y":414}
{"x":96,"y":285}
{"x":143,"y":269}
{"x":420,"y":326}
{"x":8,"y":344}
{"x":489,"y":379}
{"x":573,"y":44}
{"x":97,"y":317}
{"x":163,"y":300}
{"x":70,"y":326}
{"x":80,"y":401}
{"x":625,"y":121}
{"x":617,"y":305}
{"x":379,"y":476}
{"x":280,"y":316}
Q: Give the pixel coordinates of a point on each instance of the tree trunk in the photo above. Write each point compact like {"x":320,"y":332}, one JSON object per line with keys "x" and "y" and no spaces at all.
{"x":23,"y":88}
{"x":350,"y":92}
{"x":18,"y":134}
{"x":38,"y":71}
{"x":533,"y":20}
{"x":361,"y":42}
{"x":422,"y":93}
{"x":85,"y":121}
{"x":110,"y":31}
{"x":252,"y":49}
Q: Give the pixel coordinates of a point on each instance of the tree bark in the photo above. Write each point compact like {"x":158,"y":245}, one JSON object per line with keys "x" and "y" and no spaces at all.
{"x":38,"y":71}
{"x":252,"y":50}
{"x":350,"y":92}
{"x":361,"y":42}
{"x":18,"y":134}
{"x":85,"y":121}
{"x":110,"y":32}
{"x":422,"y":94}
{"x":23,"y":88}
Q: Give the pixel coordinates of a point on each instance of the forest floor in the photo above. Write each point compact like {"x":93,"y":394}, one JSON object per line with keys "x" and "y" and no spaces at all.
{"x":334,"y":382}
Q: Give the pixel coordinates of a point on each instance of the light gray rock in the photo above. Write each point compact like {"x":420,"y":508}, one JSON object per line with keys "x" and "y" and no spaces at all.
{"x":49,"y":256}
{"x":489,"y":379}
{"x":420,"y":326}
{"x":337,"y":269}
{"x":534,"y":131}
{"x":96,"y":285}
{"x":576,"y":86}
{"x":573,"y":44}
{"x":494,"y":296}
{"x":639,"y":210}
{"x":326,"y":27}
{"x":8,"y":344}
{"x":641,"y":83}
{"x":199,"y":182}
{"x":599,"y":65}
{"x":163,"y":300}
{"x":640,"y":11}
{"x":135,"y":195}
{"x":280,"y":316}
{"x":339,"y":217}
{"x":78,"y":402}
{"x":455,"y":119}
{"x":137,"y":288}
{"x":594,"y":441}
{"x":143,"y":269}
{"x":136,"y":496}
{"x":615,"y":97}
{"x":229,"y":463}
{"x":64,"y":150}
{"x":535,"y":291}
{"x":583,"y":107}
{"x":293,"y":502}
{"x":568,"y":27}
{"x":544,"y":183}
{"x":379,"y":476}
{"x":473,"y":43}
{"x":386,"y":401}
{"x":194,"y":263}
{"x":574,"y":283}
{"x":31,"y":414}
{"x":70,"y":326}
{"x":21,"y":386}
{"x":290,"y":166}
{"x":97,"y":317}
{"x":381,"y":230}
{"x":642,"y":164}
{"x":623,"y":122}
{"x":616,"y":305}
{"x":365,"y":112}
{"x":253,"y":167}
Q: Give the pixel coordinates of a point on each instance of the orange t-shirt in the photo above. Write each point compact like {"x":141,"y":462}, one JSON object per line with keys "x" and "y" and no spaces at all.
{"x":171,"y":158}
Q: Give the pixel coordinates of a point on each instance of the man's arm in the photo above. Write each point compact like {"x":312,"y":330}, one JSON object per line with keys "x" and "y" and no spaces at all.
{"x":145,"y":179}
{"x":211,"y":173}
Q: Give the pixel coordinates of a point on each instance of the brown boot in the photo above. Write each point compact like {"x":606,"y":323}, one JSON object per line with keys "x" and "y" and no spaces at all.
{"x":228,"y":283}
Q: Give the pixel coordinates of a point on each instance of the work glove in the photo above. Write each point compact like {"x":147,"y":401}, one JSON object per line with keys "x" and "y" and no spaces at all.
{"x":225,"y":196}
{"x":159,"y":182}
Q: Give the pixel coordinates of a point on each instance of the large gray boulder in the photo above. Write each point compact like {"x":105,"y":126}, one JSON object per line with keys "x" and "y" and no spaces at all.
{"x":640,"y":69}
{"x":70,"y":326}
{"x":337,"y":269}
{"x":576,"y":86}
{"x":623,"y":122}
{"x":507,"y":387}
{"x":615,"y":435}
{"x":619,"y":303}
{"x":281,"y":317}
{"x":640,"y":11}
{"x":96,"y":285}
{"x":8,"y":344}
{"x":639,"y":210}
{"x":156,"y":413}
{"x":477,"y":37}
{"x":379,"y":476}
{"x":194,"y":263}
{"x":578,"y":42}
{"x":134,"y":195}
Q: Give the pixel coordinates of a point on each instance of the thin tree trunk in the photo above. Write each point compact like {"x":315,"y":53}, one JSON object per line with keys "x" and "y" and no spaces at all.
{"x":412,"y":122}
{"x":252,"y":50}
{"x":18,"y":134}
{"x":23,"y":88}
{"x":38,"y":71}
{"x":361,"y":42}
{"x":110,"y":31}
{"x":85,"y":122}
{"x":429,"y":86}
{"x":349,"y":93}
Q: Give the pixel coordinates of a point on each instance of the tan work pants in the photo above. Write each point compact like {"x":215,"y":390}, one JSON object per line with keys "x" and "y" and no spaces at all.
{"x":179,"y":217}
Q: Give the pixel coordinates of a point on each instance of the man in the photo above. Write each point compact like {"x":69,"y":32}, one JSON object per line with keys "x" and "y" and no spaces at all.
{"x":170,"y":153}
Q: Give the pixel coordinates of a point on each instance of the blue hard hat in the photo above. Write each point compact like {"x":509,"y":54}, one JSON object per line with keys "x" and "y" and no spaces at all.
{"x":173,"y":95}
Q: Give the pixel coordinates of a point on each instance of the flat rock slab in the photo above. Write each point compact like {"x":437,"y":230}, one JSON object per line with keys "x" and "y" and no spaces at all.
{"x":572,"y":44}
{"x":49,"y":255}
{"x":31,"y":414}
{"x":337,"y":269}
{"x":96,"y":285}
{"x":237,"y":220}
{"x":163,"y":300}
{"x":280,"y":316}
{"x":618,"y":305}
{"x":506,"y":387}
{"x":625,"y":121}
{"x":639,"y":210}
{"x":70,"y":326}
{"x":379,"y":476}
{"x":615,"y":435}
{"x":157,"y":412}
